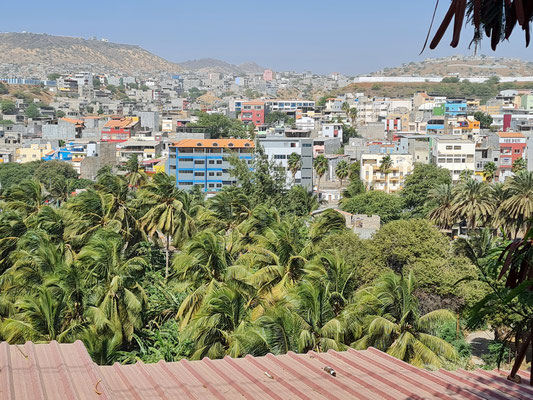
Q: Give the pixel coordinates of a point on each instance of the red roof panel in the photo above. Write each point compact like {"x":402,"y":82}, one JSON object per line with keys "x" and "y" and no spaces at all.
{"x":65,"y":371}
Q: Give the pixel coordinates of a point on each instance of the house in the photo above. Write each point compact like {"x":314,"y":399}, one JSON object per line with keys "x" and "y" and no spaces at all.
{"x":34,"y":152}
{"x":120,"y":129}
{"x":143,"y":149}
{"x":455,"y":108}
{"x":512,"y":146}
{"x":332,"y":130}
{"x":390,"y":181}
{"x":454,"y":154}
{"x":253,"y":112}
{"x":204,"y":162}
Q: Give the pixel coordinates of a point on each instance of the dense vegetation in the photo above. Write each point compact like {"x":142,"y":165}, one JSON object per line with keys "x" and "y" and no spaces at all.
{"x":138,"y":269}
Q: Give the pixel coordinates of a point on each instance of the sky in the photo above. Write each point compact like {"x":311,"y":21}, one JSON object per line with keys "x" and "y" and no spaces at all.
{"x":347,"y":36}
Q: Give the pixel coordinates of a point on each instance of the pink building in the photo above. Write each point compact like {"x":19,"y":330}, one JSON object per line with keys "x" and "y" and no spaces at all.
{"x":268,"y":75}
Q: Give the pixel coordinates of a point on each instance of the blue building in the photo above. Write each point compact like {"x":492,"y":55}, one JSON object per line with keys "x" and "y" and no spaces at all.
{"x":205,"y":162}
{"x":455,"y":108}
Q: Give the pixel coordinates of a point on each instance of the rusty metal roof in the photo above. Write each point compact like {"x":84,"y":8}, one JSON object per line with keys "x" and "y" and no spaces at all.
{"x":65,"y":371}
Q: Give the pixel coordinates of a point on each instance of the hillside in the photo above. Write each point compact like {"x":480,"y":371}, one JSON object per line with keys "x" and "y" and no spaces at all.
{"x":464,"y":66}
{"x":213,"y":65}
{"x":64,"y":52}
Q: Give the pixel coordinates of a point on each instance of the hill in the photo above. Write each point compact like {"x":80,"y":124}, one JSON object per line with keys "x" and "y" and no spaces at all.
{"x":214,"y":65}
{"x":463,"y":66}
{"x":69,"y":52}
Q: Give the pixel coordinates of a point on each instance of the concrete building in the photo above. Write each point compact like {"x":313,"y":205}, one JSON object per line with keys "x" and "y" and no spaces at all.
{"x":253,"y":112}
{"x":143,"y":149}
{"x":391,"y":182}
{"x":456,"y":155}
{"x":512,"y":147}
{"x":33,"y":152}
{"x":487,"y":150}
{"x":331,"y":130}
{"x":120,"y":129}
{"x":280,"y":148}
{"x":204,"y":162}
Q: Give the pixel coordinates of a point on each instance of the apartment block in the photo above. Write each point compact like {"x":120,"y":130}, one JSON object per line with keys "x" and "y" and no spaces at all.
{"x":391,"y":181}
{"x":455,"y":155}
{"x":512,"y":147}
{"x":205,"y":162}
{"x":120,"y":129}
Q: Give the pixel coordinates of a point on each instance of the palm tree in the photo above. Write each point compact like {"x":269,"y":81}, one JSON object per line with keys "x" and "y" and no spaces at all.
{"x":472,"y":203}
{"x":27,"y":197}
{"x":135,"y":175}
{"x":443,"y":200}
{"x":518,"y":207}
{"x":385,"y":168}
{"x":342,"y":170}
{"x":118,"y":299}
{"x":519,"y":165}
{"x":164,"y":215}
{"x":320,"y":331}
{"x":41,"y":317}
{"x":295,"y":164}
{"x":390,"y":320}
{"x":346,"y":108}
{"x":353,"y":115}
{"x":489,"y":171}
{"x":321,"y":166}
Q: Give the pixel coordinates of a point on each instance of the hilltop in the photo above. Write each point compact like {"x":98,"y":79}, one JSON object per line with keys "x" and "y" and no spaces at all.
{"x":463,"y":66}
{"x":69,"y":52}
{"x":214,"y":65}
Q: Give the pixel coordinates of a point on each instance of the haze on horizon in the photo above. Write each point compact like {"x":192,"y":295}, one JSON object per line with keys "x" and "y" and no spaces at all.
{"x":351,"y":37}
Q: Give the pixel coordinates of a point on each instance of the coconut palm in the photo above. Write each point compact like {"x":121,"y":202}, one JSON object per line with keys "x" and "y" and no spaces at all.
{"x":388,"y":312}
{"x":294,"y":163}
{"x":472,"y":203}
{"x":164,"y":210}
{"x":320,"y":330}
{"x":342,"y":170}
{"x":385,"y":168}
{"x":346,"y":108}
{"x":321,"y":166}
{"x":135,"y":176}
{"x":489,"y":170}
{"x":442,"y":198}
{"x":118,"y":299}
{"x":27,"y":197}
{"x":41,"y":317}
{"x":518,"y":207}
{"x":353,"y":116}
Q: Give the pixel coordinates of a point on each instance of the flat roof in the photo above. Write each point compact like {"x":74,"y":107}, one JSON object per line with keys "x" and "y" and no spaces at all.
{"x":224,"y":143}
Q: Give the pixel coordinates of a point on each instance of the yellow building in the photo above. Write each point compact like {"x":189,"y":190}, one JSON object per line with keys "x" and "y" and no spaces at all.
{"x":34,"y":152}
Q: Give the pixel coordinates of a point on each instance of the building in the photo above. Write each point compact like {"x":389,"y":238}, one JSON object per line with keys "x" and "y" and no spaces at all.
{"x":143,"y":149}
{"x":512,"y":147}
{"x":391,"y":181}
{"x":455,"y":108}
{"x":204,"y":162}
{"x":456,"y":155}
{"x":253,"y":112}
{"x":332,"y":131}
{"x":487,"y":150}
{"x":279,"y":149}
{"x":120,"y":129}
{"x":34,"y":152}
{"x":268,"y":75}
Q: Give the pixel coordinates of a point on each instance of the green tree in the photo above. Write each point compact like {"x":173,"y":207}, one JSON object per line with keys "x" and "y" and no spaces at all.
{"x":8,"y":107}
{"x":442,"y":199}
{"x":472,"y":203}
{"x":53,"y":76}
{"x":489,"y":170}
{"x":218,"y":125}
{"x":517,"y":208}
{"x":60,"y":114}
{"x":276,"y":116}
{"x":519,"y":165}
{"x":392,"y":323}
{"x":3,"y":88}
{"x":51,"y":171}
{"x":424,"y":178}
{"x":374,"y":202}
{"x":294,"y":162}
{"x":321,"y":166}
{"x":32,"y":111}
{"x":485,"y":120}
{"x":342,"y":170}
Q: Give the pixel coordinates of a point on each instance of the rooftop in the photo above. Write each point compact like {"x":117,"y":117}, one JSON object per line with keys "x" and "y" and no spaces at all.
{"x":66,"y":371}
{"x":510,"y":135}
{"x":224,"y":143}
{"x":121,"y":123}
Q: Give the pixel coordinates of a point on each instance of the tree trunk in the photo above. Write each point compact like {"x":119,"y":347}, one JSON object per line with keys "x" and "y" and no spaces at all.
{"x":520,"y":357}
{"x":166,"y":256}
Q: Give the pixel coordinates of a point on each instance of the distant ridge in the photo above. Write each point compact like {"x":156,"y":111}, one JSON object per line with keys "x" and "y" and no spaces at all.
{"x":215,"y":65}
{"x":63,"y":51}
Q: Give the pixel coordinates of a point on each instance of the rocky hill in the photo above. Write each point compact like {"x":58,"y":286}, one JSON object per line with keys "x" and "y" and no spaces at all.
{"x":69,"y":52}
{"x":463,"y":66}
{"x":214,"y":65}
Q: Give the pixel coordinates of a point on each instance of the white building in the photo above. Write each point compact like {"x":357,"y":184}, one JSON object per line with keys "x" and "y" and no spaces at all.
{"x":332,"y":131}
{"x":391,"y":181}
{"x":455,"y":155}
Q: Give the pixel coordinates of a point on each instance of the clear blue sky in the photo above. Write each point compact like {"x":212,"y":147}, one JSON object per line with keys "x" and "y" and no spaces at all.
{"x":348,"y":36}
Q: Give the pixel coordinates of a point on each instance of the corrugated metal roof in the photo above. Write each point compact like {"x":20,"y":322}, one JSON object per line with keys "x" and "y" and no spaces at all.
{"x":65,"y":371}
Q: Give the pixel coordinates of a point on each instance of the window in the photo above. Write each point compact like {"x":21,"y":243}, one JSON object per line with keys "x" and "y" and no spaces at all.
{"x":457,"y":147}
{"x":219,"y":161}
{"x":441,"y":160}
{"x":199,"y":174}
{"x":230,"y":144}
{"x":246,"y":144}
{"x":185,"y":159}
{"x":517,"y":151}
{"x":449,"y":147}
{"x":307,"y":145}
{"x":199,"y":144}
{"x":211,"y":174}
{"x":199,"y":162}
{"x":215,"y":144}
{"x":211,"y":161}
